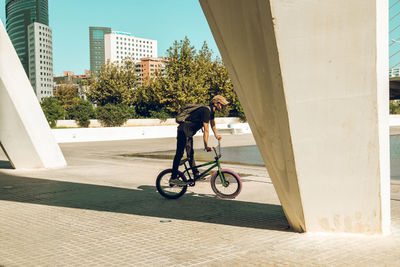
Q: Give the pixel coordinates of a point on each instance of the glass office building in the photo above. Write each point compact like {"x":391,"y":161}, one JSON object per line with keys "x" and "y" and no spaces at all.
{"x":96,"y":39}
{"x":19,"y":15}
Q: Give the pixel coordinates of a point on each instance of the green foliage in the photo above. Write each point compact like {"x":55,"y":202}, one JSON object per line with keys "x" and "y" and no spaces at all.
{"x":114,"y":84}
{"x":114,"y":115}
{"x":190,"y":77}
{"x":394,"y":107}
{"x":131,"y":111}
{"x":171,"y":91}
{"x":82,"y":111}
{"x":67,"y":96}
{"x":237,"y":109}
{"x":162,"y":114}
{"x":52,"y":110}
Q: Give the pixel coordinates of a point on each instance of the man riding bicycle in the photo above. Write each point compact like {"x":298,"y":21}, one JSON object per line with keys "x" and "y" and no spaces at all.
{"x":200,"y":117}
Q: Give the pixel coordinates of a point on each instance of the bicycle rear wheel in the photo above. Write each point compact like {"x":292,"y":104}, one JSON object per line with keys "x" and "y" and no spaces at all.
{"x":232,"y":187}
{"x":166,"y":189}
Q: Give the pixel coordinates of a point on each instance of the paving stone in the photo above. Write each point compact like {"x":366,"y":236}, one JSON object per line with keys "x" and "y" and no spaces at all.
{"x":103,"y":210}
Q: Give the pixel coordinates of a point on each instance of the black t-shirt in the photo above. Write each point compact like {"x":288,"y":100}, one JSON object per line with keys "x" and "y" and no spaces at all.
{"x":194,"y":122}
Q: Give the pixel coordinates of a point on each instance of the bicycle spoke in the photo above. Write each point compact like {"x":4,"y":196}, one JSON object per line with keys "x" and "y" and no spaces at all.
{"x":229,"y":188}
{"x":168,"y":189}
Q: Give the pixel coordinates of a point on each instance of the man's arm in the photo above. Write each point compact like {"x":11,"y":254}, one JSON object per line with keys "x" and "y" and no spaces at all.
{"x":205,"y":136}
{"x":214,"y":128}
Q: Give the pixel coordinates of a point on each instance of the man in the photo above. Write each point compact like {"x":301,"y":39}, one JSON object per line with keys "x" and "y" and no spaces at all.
{"x":197,"y":119}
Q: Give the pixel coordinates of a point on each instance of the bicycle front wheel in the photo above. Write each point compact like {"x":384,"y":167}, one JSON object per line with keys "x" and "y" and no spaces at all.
{"x":168,"y":190}
{"x":227,"y":186}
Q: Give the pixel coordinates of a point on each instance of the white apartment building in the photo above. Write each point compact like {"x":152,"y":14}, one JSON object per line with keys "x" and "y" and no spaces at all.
{"x":119,"y":45}
{"x":40,"y":52}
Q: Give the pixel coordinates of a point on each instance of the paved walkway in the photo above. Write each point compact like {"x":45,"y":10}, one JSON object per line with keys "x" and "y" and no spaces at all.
{"x":103,"y":210}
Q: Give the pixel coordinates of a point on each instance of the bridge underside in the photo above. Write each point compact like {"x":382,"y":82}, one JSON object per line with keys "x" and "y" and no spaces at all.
{"x":312,"y":78}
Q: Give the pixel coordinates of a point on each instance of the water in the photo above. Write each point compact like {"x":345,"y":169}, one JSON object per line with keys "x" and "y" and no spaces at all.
{"x":250,"y":155}
{"x":247,"y":155}
{"x":244,"y":155}
{"x":395,"y":157}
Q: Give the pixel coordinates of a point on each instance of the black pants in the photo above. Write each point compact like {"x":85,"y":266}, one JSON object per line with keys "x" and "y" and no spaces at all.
{"x":183,"y":141}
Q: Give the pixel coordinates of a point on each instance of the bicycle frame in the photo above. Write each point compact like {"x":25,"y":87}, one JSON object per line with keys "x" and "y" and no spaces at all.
{"x":214,"y":164}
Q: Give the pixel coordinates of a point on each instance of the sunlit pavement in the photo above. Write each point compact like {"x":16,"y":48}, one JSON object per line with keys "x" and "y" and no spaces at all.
{"x":103,"y":209}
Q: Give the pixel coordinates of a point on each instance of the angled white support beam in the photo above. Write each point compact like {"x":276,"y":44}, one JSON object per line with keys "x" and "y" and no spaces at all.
{"x":312,"y":78}
{"x":24,"y":132}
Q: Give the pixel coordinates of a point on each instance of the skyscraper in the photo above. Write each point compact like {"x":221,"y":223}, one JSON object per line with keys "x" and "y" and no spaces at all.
{"x":96,"y":39}
{"x":28,"y":27}
{"x":19,"y":15}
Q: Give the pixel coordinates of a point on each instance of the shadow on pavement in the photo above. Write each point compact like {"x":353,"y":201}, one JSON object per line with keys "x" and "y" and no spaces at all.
{"x":144,"y":201}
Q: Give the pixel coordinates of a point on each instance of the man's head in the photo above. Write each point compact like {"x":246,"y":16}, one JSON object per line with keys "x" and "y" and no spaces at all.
{"x":219,"y":102}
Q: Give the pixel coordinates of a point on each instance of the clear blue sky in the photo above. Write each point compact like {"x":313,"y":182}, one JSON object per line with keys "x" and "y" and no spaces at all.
{"x":162,"y":20}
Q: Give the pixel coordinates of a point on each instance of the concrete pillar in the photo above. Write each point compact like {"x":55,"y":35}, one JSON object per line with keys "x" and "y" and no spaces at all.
{"x":312,"y":78}
{"x":24,"y":132}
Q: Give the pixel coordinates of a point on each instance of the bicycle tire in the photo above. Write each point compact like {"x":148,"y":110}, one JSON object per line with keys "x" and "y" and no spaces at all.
{"x":234,"y":184}
{"x":166,"y":189}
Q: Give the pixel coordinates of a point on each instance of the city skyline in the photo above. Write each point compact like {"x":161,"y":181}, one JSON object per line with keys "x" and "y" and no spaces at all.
{"x":164,"y":21}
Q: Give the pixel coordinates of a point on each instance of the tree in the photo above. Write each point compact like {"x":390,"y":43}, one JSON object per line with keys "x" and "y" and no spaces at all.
{"x":182,"y":83}
{"x":67,"y":95}
{"x":52,"y":110}
{"x":82,"y":111}
{"x":114,"y":115}
{"x":190,"y":77}
{"x":394,"y":107}
{"x":220,"y":83}
{"x":114,"y":84}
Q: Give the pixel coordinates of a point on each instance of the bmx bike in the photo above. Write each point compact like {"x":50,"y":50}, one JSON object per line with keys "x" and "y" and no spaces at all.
{"x":224,"y":182}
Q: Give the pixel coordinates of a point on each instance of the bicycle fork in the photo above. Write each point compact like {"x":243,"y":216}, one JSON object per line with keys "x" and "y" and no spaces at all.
{"x":221,"y":176}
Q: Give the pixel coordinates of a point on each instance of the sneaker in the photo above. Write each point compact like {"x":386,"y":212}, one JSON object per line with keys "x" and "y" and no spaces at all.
{"x":177,"y":182}
{"x":196,"y":176}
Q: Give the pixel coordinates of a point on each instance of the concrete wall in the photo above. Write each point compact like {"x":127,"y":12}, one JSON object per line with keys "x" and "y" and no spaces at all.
{"x":144,"y":122}
{"x":24,"y":132}
{"x":394,"y":120}
{"x":72,"y":135}
{"x":138,"y":132}
{"x":312,"y":78}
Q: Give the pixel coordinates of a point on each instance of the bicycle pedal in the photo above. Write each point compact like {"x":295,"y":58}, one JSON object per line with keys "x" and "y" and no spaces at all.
{"x":191,"y":182}
{"x":177,"y":182}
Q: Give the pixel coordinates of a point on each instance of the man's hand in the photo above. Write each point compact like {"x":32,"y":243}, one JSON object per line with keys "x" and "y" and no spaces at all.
{"x":207,"y":148}
{"x":219,"y":137}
